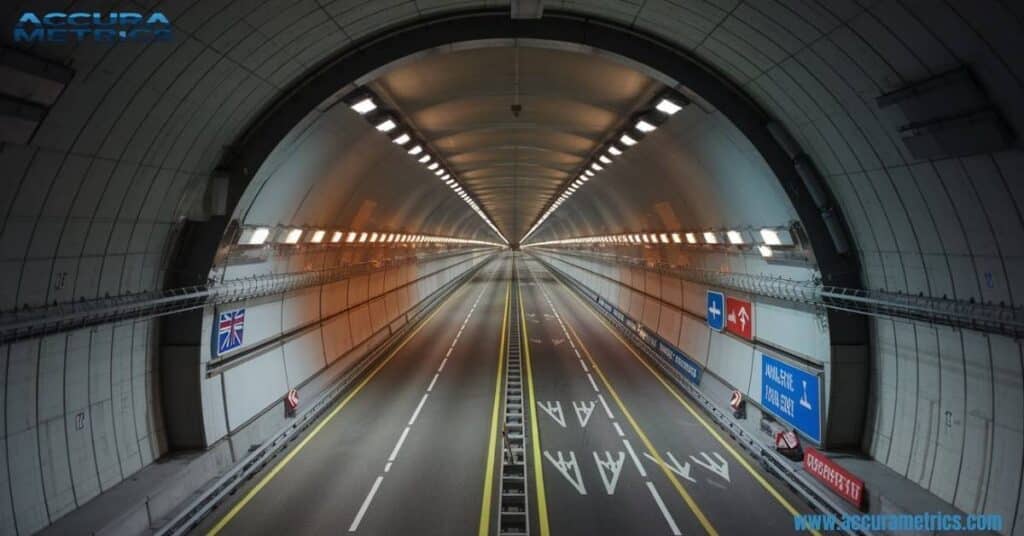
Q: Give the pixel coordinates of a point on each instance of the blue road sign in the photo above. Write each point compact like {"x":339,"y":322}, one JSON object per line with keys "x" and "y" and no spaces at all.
{"x":680,"y":362}
{"x":792,"y":394}
{"x":716,"y":310}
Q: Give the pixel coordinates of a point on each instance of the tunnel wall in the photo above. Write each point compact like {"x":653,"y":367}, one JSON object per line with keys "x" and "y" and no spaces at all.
{"x":81,"y":415}
{"x":970,"y":458}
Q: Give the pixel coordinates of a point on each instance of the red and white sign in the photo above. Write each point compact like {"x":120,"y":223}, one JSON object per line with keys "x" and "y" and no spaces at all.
{"x":292,"y":400}
{"x":835,"y":477}
{"x":787,"y":440}
{"x":739,"y":317}
{"x":735,"y":400}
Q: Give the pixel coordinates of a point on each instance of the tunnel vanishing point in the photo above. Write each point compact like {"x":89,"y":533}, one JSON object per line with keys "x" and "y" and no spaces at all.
{"x":599,"y":267}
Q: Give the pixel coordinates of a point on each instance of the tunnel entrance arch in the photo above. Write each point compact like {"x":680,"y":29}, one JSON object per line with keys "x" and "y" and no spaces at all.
{"x":811,"y":200}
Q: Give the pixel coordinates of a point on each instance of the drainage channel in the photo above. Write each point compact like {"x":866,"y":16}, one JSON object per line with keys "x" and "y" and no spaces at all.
{"x":513,"y":518}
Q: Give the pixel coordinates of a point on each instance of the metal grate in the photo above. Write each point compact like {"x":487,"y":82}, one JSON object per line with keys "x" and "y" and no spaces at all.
{"x":513,"y":516}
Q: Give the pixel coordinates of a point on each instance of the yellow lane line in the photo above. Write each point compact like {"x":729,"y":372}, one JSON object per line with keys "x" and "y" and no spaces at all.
{"x":277,"y":468}
{"x":687,"y":498}
{"x":485,"y":505}
{"x":538,"y":467}
{"x":672,"y":390}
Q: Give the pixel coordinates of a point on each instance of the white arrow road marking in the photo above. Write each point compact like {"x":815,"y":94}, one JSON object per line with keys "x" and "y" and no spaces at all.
{"x":565,"y":466}
{"x":554,"y":410}
{"x":613,"y":466}
{"x":721,"y":468}
{"x":557,"y":342}
{"x":636,"y":461}
{"x":681,"y":470}
{"x":584,"y":411}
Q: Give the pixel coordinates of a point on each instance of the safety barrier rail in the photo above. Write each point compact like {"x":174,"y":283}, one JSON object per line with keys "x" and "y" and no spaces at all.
{"x":769,"y":459}
{"x":36,"y":322}
{"x":986,"y":317}
{"x":190,"y":516}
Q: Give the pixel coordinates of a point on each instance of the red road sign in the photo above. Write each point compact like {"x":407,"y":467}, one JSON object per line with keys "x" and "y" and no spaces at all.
{"x":292,"y":400}
{"x":739,"y":317}
{"x":735,"y":400}
{"x":835,"y":477}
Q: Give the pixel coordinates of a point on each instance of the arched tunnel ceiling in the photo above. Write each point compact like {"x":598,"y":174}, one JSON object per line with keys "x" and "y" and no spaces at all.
{"x":514,"y":162}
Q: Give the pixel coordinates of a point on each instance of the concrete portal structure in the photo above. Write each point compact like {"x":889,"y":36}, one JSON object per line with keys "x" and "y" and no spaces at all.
{"x":241,"y":243}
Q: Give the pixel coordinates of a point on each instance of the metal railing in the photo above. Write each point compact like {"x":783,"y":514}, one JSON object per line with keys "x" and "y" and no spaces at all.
{"x":990,"y":318}
{"x":36,"y":322}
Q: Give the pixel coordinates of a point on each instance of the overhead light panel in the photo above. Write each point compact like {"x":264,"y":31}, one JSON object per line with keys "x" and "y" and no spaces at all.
{"x":336,"y":237}
{"x":293,"y":236}
{"x":604,"y":159}
{"x":676,"y":239}
{"x":439,"y":172}
{"x":691,"y":238}
{"x":351,"y":237}
{"x":386,"y":125}
{"x":259,"y":236}
{"x":627,"y":140}
{"x":402,"y":139}
{"x":771,"y":237}
{"x":644,"y":126}
{"x":364,"y":106}
{"x":765,"y":251}
{"x":595,"y":166}
{"x":416,"y":150}
{"x":588,"y":173}
{"x":424,"y":159}
{"x":734,"y":237}
{"x":667,"y":107}
{"x":614,"y":151}
{"x":710,"y":238}
{"x":318,"y":236}
{"x":433,"y":166}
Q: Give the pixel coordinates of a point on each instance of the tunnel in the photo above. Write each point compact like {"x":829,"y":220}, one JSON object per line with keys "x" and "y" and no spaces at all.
{"x":507,"y":268}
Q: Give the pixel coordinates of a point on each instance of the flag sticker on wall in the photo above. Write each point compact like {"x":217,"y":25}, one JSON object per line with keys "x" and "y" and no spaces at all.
{"x":230,"y":330}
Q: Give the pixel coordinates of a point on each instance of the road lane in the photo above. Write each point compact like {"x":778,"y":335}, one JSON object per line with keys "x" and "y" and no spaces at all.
{"x":376,"y":467}
{"x":596,"y":481}
{"x":719,"y":476}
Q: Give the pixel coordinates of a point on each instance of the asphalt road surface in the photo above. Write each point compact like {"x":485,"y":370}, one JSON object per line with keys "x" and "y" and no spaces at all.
{"x":413,"y":450}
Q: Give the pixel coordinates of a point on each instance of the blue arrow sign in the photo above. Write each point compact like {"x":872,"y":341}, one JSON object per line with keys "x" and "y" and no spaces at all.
{"x":716,"y":310}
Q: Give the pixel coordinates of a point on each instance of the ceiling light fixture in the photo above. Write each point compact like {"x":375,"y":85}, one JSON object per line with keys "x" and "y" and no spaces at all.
{"x":644,"y":126}
{"x":416,"y":150}
{"x":387,"y":125}
{"x":667,"y":107}
{"x":364,"y":106}
{"x":402,"y":139}
{"x":627,"y":140}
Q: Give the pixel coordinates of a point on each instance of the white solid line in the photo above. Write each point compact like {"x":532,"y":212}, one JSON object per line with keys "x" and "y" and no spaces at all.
{"x":387,"y":467}
{"x":366,"y":504}
{"x":584,"y":365}
{"x":449,"y":352}
{"x":394,"y":453}
{"x":432,"y":382}
{"x":578,"y":353}
{"x":664,"y":511}
{"x":618,"y":429}
{"x":605,"y":404}
{"x":443,"y":361}
{"x":636,"y":461}
{"x":419,"y":407}
{"x":592,"y":382}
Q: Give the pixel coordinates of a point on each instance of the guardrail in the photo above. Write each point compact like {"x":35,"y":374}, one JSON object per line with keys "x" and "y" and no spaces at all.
{"x":36,"y":322}
{"x":256,"y":460}
{"x":987,"y":317}
{"x":766,"y":455}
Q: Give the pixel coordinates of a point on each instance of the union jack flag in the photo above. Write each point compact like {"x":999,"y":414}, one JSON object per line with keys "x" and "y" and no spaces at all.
{"x":229,"y":334}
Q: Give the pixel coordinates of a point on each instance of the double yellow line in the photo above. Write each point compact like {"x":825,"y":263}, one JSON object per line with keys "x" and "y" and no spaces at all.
{"x":538,"y":472}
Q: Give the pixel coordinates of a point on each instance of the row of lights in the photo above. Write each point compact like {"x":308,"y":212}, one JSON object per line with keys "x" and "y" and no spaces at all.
{"x":258,"y":236}
{"x":643,"y":124}
{"x":763,"y":239}
{"x":364,"y":103}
